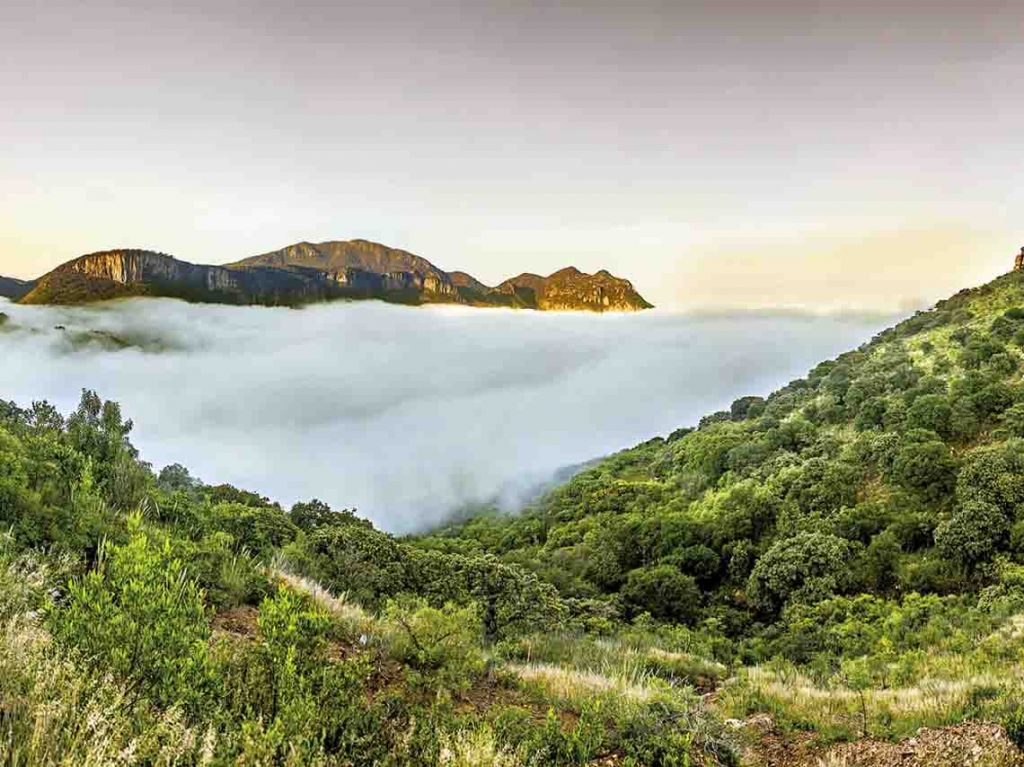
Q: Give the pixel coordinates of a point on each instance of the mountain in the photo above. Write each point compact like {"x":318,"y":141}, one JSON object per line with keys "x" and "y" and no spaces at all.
{"x":121,"y":273}
{"x":570,"y":289}
{"x":306,"y":273}
{"x":13,"y":288}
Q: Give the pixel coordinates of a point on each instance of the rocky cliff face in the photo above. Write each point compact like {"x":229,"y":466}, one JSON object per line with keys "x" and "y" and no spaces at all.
{"x":307,"y":272}
{"x":118,"y":273}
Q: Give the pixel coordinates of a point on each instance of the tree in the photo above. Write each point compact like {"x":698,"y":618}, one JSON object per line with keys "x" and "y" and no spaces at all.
{"x":512,"y":601}
{"x":663,"y":592}
{"x":822,"y":487}
{"x":360,"y":561}
{"x":806,"y":568}
{"x":1013,"y":420}
{"x":175,"y":478}
{"x":878,"y":565}
{"x":994,"y":475}
{"x":932,"y":412}
{"x":313,"y":514}
{"x":973,"y":535}
{"x":927,"y":467}
{"x":258,"y":529}
{"x":97,"y":431}
{"x":747,"y":407}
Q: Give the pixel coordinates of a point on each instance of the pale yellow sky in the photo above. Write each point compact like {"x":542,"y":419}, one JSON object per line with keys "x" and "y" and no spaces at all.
{"x":837,"y":270}
{"x":817,"y":153}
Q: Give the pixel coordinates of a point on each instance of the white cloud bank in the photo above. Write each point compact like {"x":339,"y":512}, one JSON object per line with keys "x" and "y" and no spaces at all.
{"x":401,"y":412}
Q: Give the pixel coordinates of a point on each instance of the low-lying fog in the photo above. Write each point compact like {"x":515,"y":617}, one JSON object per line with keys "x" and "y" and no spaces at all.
{"x":404,"y":413}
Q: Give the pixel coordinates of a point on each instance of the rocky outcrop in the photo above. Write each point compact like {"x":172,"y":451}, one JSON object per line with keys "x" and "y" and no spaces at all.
{"x":307,"y":272}
{"x":572,"y":290}
{"x":14,"y":289}
{"x":1019,"y":262}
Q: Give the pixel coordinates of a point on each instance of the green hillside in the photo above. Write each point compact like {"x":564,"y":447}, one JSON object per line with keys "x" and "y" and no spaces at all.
{"x":863,"y":527}
{"x":808,"y":578}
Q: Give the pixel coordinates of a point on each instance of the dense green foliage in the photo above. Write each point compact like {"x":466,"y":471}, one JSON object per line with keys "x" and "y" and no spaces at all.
{"x":149,"y":618}
{"x":891,"y":470}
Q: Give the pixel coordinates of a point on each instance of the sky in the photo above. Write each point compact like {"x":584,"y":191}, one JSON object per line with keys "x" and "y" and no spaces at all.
{"x":734,"y":153}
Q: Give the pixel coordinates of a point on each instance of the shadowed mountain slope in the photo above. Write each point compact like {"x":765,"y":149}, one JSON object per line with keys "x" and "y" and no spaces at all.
{"x":13,"y":288}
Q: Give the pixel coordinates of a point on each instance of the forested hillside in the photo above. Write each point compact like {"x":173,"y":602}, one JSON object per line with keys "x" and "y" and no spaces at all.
{"x":829,"y":568}
{"x":864,"y":524}
{"x":895,"y":468}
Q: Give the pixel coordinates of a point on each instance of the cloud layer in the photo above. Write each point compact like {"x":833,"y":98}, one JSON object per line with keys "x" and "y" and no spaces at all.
{"x":404,"y":413}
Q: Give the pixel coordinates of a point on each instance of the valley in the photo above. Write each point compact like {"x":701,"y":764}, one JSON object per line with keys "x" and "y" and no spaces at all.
{"x":825,"y":575}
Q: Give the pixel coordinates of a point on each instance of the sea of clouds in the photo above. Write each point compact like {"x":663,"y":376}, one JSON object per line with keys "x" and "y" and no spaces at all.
{"x":407,"y":414}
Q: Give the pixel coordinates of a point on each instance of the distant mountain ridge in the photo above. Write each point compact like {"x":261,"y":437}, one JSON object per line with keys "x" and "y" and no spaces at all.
{"x":307,"y":273}
{"x":13,"y":288}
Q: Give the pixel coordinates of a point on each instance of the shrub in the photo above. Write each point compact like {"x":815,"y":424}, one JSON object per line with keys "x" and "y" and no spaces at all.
{"x":548,"y":743}
{"x":1013,"y":722}
{"x":140,"y":617}
{"x":444,"y":643}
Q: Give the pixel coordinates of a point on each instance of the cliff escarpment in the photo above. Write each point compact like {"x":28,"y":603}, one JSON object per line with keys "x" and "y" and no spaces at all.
{"x":307,"y":273}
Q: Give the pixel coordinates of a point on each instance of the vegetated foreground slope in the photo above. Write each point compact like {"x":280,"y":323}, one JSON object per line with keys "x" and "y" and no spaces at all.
{"x":804,"y":578}
{"x":305,"y":273}
{"x":151,"y":619}
{"x":856,"y":537}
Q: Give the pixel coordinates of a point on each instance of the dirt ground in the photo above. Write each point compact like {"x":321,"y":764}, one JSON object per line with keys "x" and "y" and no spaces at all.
{"x":964,"y":745}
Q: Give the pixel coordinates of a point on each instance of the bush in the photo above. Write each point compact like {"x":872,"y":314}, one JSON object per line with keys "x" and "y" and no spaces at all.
{"x":139,"y":616}
{"x":291,"y":702}
{"x":1014,"y":725}
{"x":548,"y":743}
{"x":443,"y":642}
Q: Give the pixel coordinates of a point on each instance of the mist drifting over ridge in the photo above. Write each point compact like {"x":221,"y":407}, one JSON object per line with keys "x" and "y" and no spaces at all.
{"x":404,"y":413}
